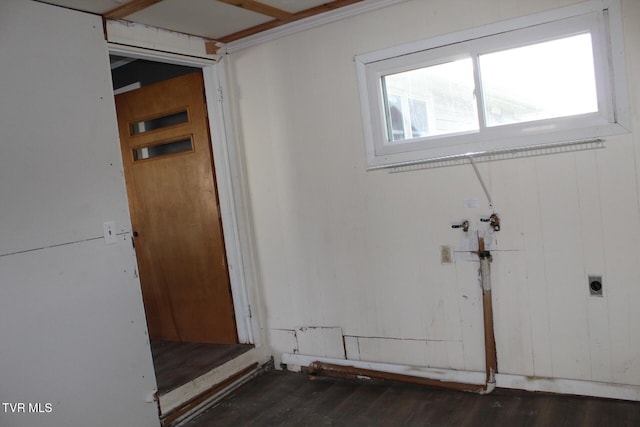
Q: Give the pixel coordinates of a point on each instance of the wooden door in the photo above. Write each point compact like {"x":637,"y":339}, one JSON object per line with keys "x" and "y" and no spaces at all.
{"x":173,"y":202}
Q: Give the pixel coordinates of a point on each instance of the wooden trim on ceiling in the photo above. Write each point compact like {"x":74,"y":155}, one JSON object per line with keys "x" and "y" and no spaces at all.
{"x":261,"y":8}
{"x":211,"y":47}
{"x":326,"y":7}
{"x":129,"y":8}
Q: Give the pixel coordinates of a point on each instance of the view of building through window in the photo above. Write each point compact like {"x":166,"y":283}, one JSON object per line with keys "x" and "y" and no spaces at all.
{"x":435,"y":100}
{"x":535,"y":82}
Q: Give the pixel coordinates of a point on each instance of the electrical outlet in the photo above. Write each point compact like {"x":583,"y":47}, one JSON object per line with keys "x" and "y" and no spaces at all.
{"x":109,"y":229}
{"x":445,"y":254}
{"x":595,"y":285}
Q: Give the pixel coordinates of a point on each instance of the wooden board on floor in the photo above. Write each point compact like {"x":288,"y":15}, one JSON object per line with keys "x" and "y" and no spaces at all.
{"x":177,"y":363}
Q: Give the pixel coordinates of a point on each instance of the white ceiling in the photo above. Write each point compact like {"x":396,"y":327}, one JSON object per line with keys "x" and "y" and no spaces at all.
{"x":205,"y":18}
{"x":211,"y":19}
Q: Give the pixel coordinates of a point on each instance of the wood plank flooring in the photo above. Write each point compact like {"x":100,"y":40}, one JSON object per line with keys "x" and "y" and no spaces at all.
{"x":177,"y":363}
{"x":279,"y":398}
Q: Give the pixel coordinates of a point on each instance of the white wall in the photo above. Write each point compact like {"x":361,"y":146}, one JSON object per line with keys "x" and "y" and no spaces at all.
{"x":72,"y":323}
{"x":359,"y":252}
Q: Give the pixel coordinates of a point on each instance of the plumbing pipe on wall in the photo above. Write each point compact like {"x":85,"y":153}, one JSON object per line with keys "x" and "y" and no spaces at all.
{"x":490,"y":354}
{"x":491,"y":360}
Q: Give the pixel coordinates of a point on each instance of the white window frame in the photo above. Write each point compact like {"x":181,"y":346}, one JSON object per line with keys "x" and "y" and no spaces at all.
{"x":602,"y":18}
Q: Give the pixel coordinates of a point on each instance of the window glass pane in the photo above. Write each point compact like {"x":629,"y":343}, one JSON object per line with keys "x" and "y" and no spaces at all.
{"x":396,"y":119}
{"x":418,"y":114}
{"x":539,"y":81}
{"x":164,"y":149}
{"x":159,"y":122}
{"x":433,"y":100}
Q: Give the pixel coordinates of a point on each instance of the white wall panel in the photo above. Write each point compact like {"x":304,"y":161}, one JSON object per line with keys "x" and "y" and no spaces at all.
{"x":72,"y":322}
{"x":622,"y":365}
{"x":402,"y":352}
{"x":561,"y":234}
{"x":588,"y":177}
{"x":512,"y":313}
{"x":471,"y":323}
{"x":321,"y":341}
{"x":621,"y":278}
{"x":74,"y":336}
{"x":536,"y":287}
{"x":343,"y":247}
{"x":61,"y":172}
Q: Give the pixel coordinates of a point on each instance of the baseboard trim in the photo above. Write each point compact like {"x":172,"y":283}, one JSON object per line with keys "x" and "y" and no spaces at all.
{"x":567,"y":386}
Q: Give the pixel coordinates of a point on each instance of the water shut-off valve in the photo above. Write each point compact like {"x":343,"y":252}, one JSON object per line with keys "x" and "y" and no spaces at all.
{"x":464,"y":225}
{"x":493,"y":220}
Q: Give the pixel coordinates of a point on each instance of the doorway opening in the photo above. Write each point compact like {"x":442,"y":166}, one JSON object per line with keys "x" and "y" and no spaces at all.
{"x":176,"y":220}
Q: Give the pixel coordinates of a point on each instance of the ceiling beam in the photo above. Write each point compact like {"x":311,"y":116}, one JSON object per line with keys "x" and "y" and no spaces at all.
{"x":129,"y":8}
{"x":326,"y":7}
{"x":261,"y":8}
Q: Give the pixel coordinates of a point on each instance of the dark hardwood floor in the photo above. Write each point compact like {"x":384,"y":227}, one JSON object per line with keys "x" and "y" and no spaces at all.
{"x":279,"y":398}
{"x":177,"y":363}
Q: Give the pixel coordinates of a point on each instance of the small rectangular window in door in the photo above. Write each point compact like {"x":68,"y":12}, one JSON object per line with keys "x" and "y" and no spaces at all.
{"x":159,"y":122}
{"x":172,"y":147}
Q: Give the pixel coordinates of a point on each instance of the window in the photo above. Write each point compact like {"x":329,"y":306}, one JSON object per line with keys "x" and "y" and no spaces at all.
{"x":543,"y":79}
{"x":448,"y":88}
{"x":540,"y":81}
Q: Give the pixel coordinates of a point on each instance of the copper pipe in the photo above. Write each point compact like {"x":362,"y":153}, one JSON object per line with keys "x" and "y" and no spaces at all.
{"x":351,"y":372}
{"x":490,"y":354}
{"x":491,"y":359}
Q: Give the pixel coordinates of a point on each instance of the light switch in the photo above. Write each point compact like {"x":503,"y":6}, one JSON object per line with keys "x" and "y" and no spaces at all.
{"x":109,"y":229}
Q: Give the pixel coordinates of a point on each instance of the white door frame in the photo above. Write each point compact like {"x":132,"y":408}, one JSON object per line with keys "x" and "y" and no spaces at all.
{"x":230,"y":176}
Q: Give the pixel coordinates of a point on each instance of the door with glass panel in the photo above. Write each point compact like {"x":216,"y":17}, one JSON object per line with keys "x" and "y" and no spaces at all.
{"x":173,"y":203}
